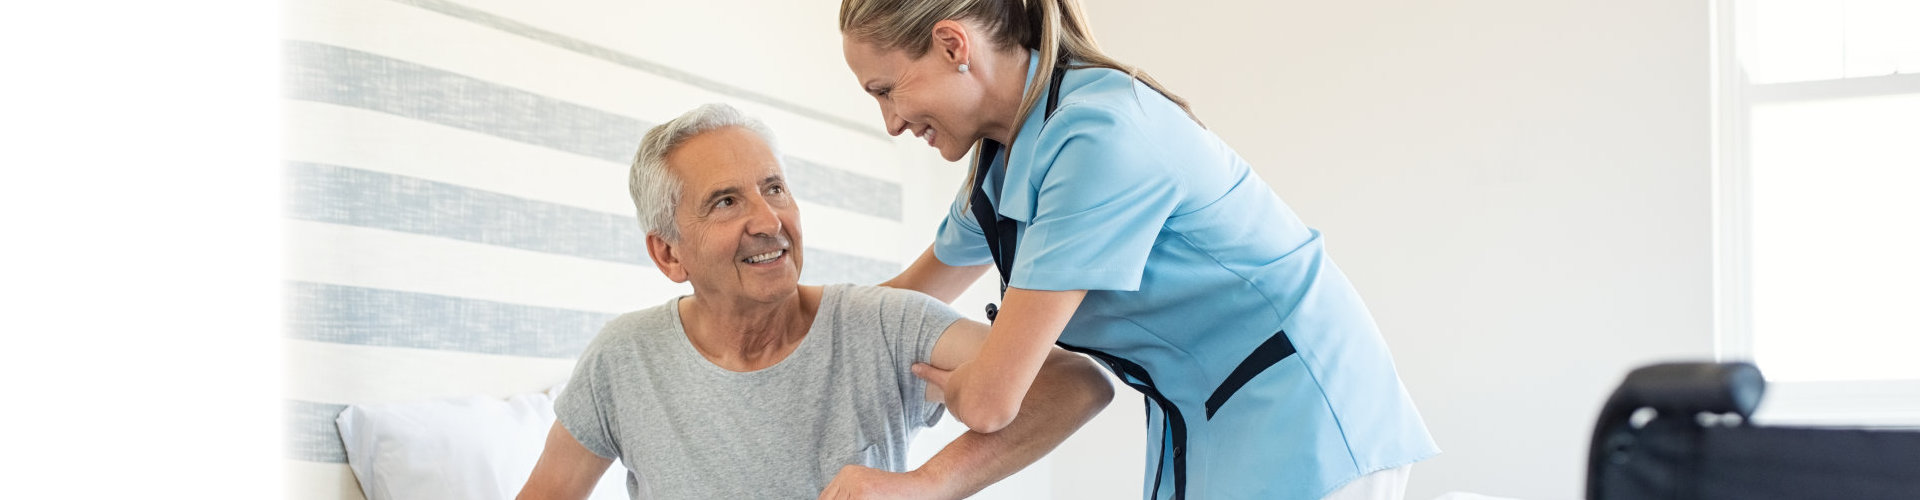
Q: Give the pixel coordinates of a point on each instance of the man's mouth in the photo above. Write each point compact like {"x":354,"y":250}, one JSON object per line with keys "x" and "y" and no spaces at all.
{"x":765,"y":257}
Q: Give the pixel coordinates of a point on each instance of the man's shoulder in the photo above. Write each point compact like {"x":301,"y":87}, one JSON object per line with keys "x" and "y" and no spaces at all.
{"x":880,"y":298}
{"x":636,"y":326}
{"x":652,"y":319}
{"x":888,"y":308}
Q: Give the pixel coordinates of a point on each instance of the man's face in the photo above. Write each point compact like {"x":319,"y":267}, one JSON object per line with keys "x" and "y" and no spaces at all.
{"x":739,"y":227}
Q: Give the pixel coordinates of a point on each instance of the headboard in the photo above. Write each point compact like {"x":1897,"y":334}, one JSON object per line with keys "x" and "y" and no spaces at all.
{"x":457,"y":219}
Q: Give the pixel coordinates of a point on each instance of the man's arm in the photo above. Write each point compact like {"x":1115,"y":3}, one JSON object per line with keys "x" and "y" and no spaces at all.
{"x":1068,"y":391}
{"x":566,"y":469}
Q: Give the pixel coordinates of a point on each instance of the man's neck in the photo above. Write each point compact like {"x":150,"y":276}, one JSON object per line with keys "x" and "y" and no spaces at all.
{"x":746,"y":336}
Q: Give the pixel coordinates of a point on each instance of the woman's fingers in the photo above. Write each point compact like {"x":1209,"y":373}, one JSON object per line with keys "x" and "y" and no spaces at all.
{"x":932,"y":375}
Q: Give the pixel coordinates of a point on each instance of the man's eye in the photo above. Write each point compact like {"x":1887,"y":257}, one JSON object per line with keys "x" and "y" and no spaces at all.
{"x":723,"y":203}
{"x":777,"y":189}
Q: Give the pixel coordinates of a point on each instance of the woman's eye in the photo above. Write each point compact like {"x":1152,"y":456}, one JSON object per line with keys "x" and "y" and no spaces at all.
{"x":723,"y":203}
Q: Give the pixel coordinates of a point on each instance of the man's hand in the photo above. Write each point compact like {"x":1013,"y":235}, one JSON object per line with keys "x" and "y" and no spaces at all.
{"x":857,"y":482}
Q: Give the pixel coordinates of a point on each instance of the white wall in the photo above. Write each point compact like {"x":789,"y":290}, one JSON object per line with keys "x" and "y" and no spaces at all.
{"x":1519,"y":188}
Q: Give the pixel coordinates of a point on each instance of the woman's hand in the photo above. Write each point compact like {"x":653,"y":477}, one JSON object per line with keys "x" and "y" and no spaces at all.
{"x":858,"y":482}
{"x":952,"y":388}
{"x":985,"y":392}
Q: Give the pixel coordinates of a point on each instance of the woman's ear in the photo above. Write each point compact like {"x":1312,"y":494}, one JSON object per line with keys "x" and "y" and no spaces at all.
{"x":953,"y":41}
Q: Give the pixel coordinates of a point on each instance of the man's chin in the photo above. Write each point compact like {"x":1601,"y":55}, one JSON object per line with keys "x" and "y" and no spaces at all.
{"x":781,"y":285}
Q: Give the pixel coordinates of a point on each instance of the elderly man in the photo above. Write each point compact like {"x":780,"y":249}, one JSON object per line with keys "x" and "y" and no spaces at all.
{"x":758,"y":387}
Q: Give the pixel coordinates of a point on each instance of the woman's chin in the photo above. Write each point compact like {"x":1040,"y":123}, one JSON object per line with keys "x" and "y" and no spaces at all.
{"x":953,"y":154}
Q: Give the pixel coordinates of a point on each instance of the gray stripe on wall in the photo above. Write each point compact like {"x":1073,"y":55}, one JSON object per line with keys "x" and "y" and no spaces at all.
{"x":814,"y":182}
{"x":350,"y":196}
{"x":346,"y":77}
{"x":388,"y":318}
{"x":824,"y":267}
{"x":364,"y":198}
{"x":408,"y":204}
{"x":494,"y":21}
{"x":334,"y":75}
{"x":311,"y":433}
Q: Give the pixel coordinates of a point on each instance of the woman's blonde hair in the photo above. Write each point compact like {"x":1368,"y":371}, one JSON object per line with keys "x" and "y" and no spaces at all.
{"x":1056,"y":28}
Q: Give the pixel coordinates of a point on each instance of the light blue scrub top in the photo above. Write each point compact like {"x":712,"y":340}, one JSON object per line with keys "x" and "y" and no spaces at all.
{"x":1191,"y":263}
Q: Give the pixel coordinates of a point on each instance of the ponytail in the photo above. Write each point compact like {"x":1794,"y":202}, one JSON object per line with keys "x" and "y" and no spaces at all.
{"x":1061,"y":32}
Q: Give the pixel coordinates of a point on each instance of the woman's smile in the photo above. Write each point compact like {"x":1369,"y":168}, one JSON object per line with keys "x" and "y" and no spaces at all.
{"x":927,"y":133}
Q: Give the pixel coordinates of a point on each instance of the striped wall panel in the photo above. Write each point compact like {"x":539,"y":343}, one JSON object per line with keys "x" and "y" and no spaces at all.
{"x":456,"y":214}
{"x":341,"y":195}
{"x":310,"y":432}
{"x":346,"y":77}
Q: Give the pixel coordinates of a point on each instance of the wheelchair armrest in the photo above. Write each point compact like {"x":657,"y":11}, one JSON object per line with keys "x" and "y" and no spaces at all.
{"x":1689,"y":388}
{"x":1673,"y":390}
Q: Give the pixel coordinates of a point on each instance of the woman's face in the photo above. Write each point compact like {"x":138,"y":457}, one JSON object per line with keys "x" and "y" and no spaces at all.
{"x":928,"y":96}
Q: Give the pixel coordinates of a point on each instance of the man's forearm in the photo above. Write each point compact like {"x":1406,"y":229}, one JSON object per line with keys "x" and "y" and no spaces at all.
{"x":1067,"y":392}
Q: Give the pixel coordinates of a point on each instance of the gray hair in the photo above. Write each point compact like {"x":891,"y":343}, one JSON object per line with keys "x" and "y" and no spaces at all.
{"x":656,"y":191}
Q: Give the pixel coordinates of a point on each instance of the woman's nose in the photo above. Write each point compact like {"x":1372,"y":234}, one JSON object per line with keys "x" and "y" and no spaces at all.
{"x":895,"y":124}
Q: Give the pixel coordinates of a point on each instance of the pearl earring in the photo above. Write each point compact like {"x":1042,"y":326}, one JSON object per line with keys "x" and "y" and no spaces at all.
{"x":963,"y":67}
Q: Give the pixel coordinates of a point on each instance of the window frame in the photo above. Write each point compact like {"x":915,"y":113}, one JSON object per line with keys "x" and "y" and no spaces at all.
{"x":1893,"y":403}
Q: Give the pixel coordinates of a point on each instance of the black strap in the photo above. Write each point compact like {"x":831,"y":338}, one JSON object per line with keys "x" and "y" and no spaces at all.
{"x":1003,"y":233}
{"x":1276,"y":348}
{"x":1174,"y":425}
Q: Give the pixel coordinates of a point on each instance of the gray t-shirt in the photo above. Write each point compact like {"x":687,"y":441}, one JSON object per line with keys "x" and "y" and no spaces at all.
{"x":686,"y":428}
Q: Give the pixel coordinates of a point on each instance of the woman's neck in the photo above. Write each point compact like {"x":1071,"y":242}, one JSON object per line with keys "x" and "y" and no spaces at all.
{"x":1006,"y":88}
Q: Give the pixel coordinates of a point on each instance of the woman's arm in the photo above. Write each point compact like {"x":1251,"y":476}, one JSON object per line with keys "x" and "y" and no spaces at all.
{"x":1068,"y":391}
{"x":930,"y":276}
{"x":986,"y":393}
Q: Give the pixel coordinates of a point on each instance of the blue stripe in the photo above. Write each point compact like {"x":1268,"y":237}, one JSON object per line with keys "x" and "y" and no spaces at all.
{"x":842,"y":189}
{"x":345,"y":77}
{"x":364,"y":198}
{"x":341,"y":195}
{"x":387,"y":318}
{"x":311,"y":434}
{"x":826,"y":267}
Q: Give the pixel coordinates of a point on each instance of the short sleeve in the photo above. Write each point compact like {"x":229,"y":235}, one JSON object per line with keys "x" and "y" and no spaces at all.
{"x":960,"y":242}
{"x":1099,"y":204}
{"x":582,"y":406}
{"x":919,"y":320}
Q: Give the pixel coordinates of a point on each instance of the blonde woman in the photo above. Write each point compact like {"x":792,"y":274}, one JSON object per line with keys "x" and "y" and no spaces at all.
{"x":1123,"y":229}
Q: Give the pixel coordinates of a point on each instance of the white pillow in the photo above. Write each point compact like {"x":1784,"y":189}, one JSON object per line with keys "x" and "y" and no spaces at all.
{"x":476,"y":448}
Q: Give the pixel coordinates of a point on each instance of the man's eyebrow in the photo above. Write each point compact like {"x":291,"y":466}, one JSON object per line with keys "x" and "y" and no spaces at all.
{"x":717,"y":193}
{"x":771,"y":179}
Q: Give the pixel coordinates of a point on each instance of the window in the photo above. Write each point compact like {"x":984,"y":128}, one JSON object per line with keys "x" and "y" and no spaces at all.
{"x":1818,"y":169}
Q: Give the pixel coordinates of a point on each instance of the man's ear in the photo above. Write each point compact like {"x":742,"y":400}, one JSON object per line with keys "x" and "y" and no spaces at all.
{"x":666,"y":258}
{"x":952,"y":40}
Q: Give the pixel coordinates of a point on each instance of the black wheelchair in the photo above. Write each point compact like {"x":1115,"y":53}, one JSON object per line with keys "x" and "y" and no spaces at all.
{"x":1682,"y":431}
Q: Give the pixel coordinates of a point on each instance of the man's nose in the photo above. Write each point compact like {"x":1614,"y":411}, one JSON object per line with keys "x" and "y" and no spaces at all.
{"x":764,"y":221}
